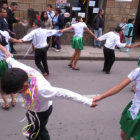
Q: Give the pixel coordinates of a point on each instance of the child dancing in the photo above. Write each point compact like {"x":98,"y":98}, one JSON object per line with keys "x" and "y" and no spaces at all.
{"x":77,"y":40}
{"x":38,"y":94}
{"x":130,"y":119}
{"x":39,"y":37}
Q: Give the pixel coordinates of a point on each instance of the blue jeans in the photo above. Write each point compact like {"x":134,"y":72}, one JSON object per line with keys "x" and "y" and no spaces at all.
{"x":98,"y":33}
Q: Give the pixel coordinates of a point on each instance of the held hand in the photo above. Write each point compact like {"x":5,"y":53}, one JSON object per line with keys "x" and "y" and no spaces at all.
{"x":97,"y":98}
{"x":128,"y":46}
{"x":60,"y":31}
{"x":8,"y":55}
{"x":94,"y":104}
{"x":97,"y":39}
{"x":20,"y":41}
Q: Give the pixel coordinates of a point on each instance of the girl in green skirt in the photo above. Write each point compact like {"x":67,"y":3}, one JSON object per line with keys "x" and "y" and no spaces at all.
{"x":77,"y":40}
{"x":130,"y":119}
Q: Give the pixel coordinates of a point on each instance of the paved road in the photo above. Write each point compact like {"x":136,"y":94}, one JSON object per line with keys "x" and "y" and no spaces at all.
{"x":72,"y":121}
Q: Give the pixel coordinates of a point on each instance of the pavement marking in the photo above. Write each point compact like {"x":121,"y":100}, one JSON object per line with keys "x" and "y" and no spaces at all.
{"x":20,"y":99}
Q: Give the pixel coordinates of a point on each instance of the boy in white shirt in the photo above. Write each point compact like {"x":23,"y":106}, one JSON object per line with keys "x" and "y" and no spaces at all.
{"x":112,"y":39}
{"x":39,"y":37}
{"x":38,"y":95}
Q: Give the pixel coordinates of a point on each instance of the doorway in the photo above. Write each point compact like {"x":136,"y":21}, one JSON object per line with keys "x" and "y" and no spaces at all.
{"x":137,"y":25}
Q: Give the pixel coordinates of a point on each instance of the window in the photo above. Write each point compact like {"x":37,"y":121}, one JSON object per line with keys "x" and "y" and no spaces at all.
{"x":85,"y":8}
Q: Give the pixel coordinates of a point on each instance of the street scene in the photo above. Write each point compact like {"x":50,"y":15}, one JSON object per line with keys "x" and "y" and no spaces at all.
{"x":74,"y":121}
{"x":70,"y":69}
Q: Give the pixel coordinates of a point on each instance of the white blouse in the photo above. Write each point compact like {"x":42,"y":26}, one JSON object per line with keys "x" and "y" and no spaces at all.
{"x":135,"y":107}
{"x":79,"y":29}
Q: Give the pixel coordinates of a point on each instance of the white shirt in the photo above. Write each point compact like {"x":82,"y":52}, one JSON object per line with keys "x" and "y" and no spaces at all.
{"x":135,"y":107}
{"x":51,"y":14}
{"x":47,"y":93}
{"x":39,"y":37}
{"x":79,"y":29}
{"x":7,"y":37}
{"x":112,"y":39}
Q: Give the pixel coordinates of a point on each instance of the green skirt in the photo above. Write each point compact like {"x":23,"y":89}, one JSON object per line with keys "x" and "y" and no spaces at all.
{"x":77,"y":43}
{"x":3,"y":67}
{"x":128,"y":125}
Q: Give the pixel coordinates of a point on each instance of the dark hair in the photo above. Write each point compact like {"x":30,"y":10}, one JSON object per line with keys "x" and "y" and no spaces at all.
{"x":100,"y":11}
{"x":130,"y":20}
{"x":2,"y":9}
{"x":58,"y":10}
{"x":78,"y":18}
{"x":36,"y":12}
{"x":38,"y":23}
{"x":49,"y":5}
{"x":31,"y":16}
{"x":13,"y":80}
{"x":118,"y":29}
{"x":42,"y":16}
{"x":13,"y":4}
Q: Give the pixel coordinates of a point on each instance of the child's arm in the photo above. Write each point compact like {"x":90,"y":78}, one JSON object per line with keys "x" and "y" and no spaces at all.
{"x":135,"y":45}
{"x":103,"y":37}
{"x":52,"y":93}
{"x":15,"y":40}
{"x":51,"y":32}
{"x":113,"y":90}
{"x":5,"y":51}
{"x":91,"y":33}
{"x":66,"y":29}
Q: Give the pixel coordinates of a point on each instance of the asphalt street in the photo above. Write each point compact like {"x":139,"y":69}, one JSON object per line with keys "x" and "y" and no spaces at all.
{"x":72,"y":121}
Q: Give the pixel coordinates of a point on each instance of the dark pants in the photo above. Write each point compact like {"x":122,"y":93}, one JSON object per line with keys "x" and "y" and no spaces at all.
{"x":109,"y":58}
{"x":43,"y":118}
{"x":41,"y":56}
{"x":56,"y":41}
{"x":12,"y":50}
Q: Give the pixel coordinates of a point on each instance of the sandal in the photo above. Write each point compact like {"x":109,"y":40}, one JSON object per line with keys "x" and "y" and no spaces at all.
{"x":70,"y":65}
{"x":13,"y":103}
{"x":6,"y":107}
{"x":75,"y":68}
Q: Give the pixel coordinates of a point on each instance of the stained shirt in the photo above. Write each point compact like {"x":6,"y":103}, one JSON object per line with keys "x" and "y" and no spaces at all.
{"x":79,"y":29}
{"x":46,"y":92}
{"x":39,"y":36}
{"x":135,"y":107}
{"x":112,"y":40}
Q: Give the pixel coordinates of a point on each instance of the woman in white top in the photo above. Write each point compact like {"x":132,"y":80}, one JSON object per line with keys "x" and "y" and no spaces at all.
{"x":77,"y":40}
{"x":130,"y":119}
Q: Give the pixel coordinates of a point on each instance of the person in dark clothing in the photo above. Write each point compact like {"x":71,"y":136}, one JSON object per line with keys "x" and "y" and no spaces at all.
{"x":58,"y":23}
{"x":11,"y":20}
{"x":98,"y":27}
{"x":3,"y":21}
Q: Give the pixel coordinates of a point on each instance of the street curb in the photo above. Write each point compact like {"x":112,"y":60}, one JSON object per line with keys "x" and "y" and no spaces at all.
{"x":31,"y":57}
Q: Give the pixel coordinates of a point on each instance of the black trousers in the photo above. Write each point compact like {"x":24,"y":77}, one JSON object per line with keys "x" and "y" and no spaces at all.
{"x":41,"y":56}
{"x":109,"y":59}
{"x":43,"y":118}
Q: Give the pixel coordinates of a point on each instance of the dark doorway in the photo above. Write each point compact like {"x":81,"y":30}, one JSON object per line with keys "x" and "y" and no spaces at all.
{"x":137,"y":25}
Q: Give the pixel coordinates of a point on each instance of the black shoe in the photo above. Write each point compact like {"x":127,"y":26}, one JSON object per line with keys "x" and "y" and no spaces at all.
{"x":13,"y":51}
{"x":107,"y":72}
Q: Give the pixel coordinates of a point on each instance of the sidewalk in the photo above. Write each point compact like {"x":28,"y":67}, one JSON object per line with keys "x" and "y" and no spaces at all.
{"x":89,"y":53}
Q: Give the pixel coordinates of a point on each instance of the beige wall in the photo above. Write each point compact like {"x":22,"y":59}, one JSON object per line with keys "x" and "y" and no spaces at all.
{"x":37,"y":5}
{"x":116,"y":10}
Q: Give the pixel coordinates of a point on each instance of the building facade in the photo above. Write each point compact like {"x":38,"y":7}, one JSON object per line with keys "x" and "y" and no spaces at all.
{"x":115,"y":10}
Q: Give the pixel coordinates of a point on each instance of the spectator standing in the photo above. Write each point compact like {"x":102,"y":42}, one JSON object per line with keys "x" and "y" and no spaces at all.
{"x":3,"y":21}
{"x":129,"y":32}
{"x":123,"y":25}
{"x":50,"y":12}
{"x":37,"y":15}
{"x":98,"y":27}
{"x":58,"y":23}
{"x":4,"y":5}
{"x":47,"y":24}
{"x":11,"y":20}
